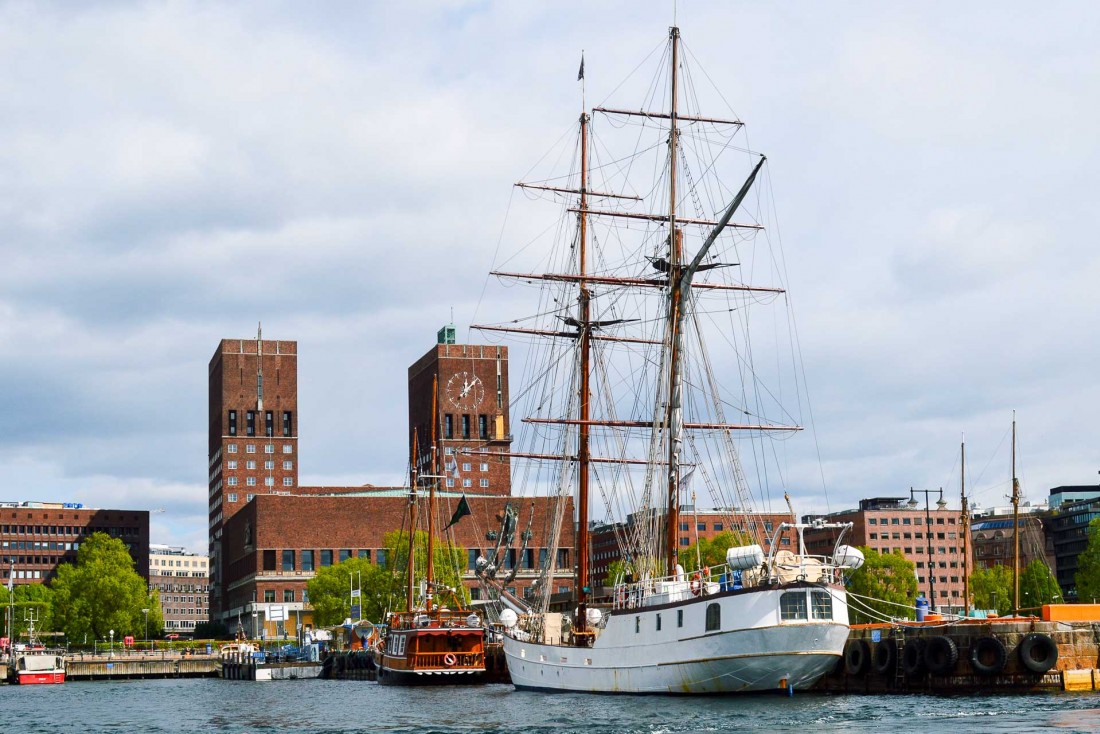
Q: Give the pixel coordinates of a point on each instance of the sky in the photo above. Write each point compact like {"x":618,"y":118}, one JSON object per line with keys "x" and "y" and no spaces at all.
{"x":171,"y":174}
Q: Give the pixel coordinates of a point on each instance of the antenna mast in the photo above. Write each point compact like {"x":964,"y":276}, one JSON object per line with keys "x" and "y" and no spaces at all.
{"x":1015,"y":525}
{"x":965,"y":530}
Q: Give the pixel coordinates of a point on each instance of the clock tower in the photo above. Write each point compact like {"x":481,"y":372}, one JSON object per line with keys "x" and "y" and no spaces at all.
{"x":458,"y":395}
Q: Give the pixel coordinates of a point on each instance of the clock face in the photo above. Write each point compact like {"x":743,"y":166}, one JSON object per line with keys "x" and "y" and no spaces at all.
{"x":465,"y":391}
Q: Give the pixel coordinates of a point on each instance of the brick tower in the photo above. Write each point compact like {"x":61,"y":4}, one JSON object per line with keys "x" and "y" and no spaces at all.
{"x":471,"y":413}
{"x":253,"y":435}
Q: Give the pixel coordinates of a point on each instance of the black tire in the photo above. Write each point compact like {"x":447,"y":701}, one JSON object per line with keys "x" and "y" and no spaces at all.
{"x":885,"y":659}
{"x":988,"y":656}
{"x":912,"y":658}
{"x":857,"y":657}
{"x":941,"y":654}
{"x":1037,"y":652}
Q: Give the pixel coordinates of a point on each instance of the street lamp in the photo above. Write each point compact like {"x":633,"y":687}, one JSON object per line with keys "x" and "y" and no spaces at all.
{"x":253,"y":625}
{"x":928,"y":536}
{"x":146,"y":613}
{"x":111,"y":649}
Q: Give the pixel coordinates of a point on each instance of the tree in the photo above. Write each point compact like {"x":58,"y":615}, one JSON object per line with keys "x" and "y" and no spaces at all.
{"x":330,"y":591}
{"x":991,"y":588}
{"x":27,"y":601}
{"x":1088,"y":566}
{"x":448,"y":563}
{"x":888,"y":582}
{"x":711,"y":551}
{"x":102,"y":592}
{"x":1038,"y":586}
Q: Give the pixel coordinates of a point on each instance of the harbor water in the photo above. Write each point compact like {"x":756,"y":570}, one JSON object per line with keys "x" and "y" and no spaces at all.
{"x":339,"y":707}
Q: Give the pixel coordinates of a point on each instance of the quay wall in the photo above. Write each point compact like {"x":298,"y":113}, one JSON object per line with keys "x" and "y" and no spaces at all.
{"x":1012,"y":654}
{"x":86,"y":667}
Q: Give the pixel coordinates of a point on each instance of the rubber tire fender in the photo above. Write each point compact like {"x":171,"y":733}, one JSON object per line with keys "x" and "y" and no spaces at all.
{"x":912,"y":657}
{"x":1037,"y":652}
{"x":981,"y":649}
{"x":885,"y":658}
{"x":857,"y":657}
{"x":941,"y":654}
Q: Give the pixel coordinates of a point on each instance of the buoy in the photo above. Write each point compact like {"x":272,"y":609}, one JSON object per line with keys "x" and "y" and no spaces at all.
{"x":449,"y":659}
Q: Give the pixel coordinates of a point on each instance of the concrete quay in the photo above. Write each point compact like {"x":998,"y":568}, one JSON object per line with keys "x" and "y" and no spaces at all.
{"x":82,"y":666}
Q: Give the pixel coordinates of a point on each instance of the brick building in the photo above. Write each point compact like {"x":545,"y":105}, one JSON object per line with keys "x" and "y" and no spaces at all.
{"x":755,"y":527}
{"x":993,"y":541}
{"x":898,"y":525}
{"x":37,"y":537}
{"x":276,"y":544}
{"x":182,"y":582}
{"x":253,"y":434}
{"x":470,"y":421}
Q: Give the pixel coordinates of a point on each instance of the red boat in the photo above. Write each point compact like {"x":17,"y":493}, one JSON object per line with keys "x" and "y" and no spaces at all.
{"x":35,"y":666}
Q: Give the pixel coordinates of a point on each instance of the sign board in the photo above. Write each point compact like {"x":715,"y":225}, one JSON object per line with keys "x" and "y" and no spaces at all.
{"x":355,"y":593}
{"x":276,"y":614}
{"x":356,"y":611}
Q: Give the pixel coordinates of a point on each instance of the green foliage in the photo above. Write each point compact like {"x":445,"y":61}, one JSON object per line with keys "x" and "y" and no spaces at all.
{"x":448,"y":563}
{"x":890,"y":580}
{"x":28,"y":600}
{"x":1088,"y":567}
{"x":991,"y":588}
{"x":711,"y":551}
{"x":330,"y":591}
{"x":1038,"y":586}
{"x":102,"y":592}
{"x":210,"y":631}
{"x":617,"y":571}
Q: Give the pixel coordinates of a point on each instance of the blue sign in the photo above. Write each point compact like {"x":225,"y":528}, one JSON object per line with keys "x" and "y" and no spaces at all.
{"x":876,"y":635}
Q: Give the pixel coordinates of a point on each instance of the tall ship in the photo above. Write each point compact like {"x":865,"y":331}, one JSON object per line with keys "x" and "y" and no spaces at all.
{"x":430,"y":643}
{"x":648,"y":302}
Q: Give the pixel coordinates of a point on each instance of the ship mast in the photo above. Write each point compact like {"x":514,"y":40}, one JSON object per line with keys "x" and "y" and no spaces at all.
{"x":431,"y":496}
{"x":409,"y":565}
{"x":584,"y":319}
{"x":675,"y":316}
{"x":965,"y":530}
{"x":1015,"y":525}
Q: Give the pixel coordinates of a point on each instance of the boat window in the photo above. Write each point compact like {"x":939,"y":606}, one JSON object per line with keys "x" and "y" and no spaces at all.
{"x":792,"y":605}
{"x":679,"y":617}
{"x":637,"y":625}
{"x":822,"y":605}
{"x":714,"y":617}
{"x":658,"y":622}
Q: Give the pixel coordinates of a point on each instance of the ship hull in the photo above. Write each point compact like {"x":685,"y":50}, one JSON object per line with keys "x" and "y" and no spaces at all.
{"x":40,"y":678}
{"x":752,"y":650}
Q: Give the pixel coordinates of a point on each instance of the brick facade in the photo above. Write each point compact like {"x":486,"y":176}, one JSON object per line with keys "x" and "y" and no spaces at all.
{"x":39,"y":536}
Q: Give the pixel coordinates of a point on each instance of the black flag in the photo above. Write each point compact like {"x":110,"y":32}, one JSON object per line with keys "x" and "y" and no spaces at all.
{"x":580,"y":74}
{"x":461,"y":511}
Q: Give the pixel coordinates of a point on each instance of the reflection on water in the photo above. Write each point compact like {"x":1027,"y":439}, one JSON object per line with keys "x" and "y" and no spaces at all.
{"x":343,"y":707}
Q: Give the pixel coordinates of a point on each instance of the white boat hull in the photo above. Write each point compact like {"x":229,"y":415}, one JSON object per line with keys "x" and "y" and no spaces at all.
{"x":752,"y":650}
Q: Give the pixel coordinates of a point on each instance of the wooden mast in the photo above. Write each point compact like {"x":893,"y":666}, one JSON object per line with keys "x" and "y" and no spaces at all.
{"x":965,"y":531}
{"x":584,"y":317}
{"x":410,"y":567}
{"x":675,"y":415}
{"x":1015,"y":525}
{"x":431,"y":495}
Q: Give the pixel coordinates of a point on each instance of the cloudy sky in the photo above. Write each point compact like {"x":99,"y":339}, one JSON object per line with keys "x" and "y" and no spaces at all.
{"x":173,"y":173}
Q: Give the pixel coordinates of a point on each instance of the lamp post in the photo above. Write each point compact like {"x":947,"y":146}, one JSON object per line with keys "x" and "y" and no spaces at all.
{"x":111,"y":649}
{"x":146,"y":613}
{"x":928,"y":537}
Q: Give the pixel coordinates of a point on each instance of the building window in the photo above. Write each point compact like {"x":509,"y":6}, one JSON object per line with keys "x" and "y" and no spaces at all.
{"x":364,"y":553}
{"x":483,"y":426}
{"x":700,"y":526}
{"x":326,"y":558}
{"x":467,"y":482}
{"x":250,"y":423}
{"x":466,"y":466}
{"x":718,"y":527}
{"x":465,"y":426}
{"x":288,"y":560}
{"x":448,"y":426}
{"x":232,"y":465}
{"x":714,"y":616}
{"x":287,"y":424}
{"x":269,"y":560}
{"x":685,"y":541}
{"x":231,"y":481}
{"x":269,"y":481}
{"x":288,"y":595}
{"x":484,"y":466}
{"x":307,"y":560}
{"x":232,"y":423}
{"x":232,"y":497}
{"x":288,"y":448}
{"x":269,"y":448}
{"x":269,"y":596}
{"x":484,"y":483}
{"x":345,"y":554}
{"x":231,"y":448}
{"x":450,"y":482}
{"x":380,"y":555}
{"x":288,"y":465}
{"x":248,"y":497}
{"x":250,"y":465}
{"x":269,"y":423}
{"x":269,"y":464}
{"x":288,"y":481}
{"x":250,"y":448}
{"x":250,"y":481}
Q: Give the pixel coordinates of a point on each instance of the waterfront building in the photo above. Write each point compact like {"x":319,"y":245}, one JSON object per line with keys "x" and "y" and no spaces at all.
{"x":182,"y":583}
{"x":930,"y":537}
{"x":1069,"y":526}
{"x":993,"y":540}
{"x":37,"y":537}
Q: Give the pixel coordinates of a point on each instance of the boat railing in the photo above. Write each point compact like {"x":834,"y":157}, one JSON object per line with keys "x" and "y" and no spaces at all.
{"x":437,"y":618}
{"x":452,"y":660}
